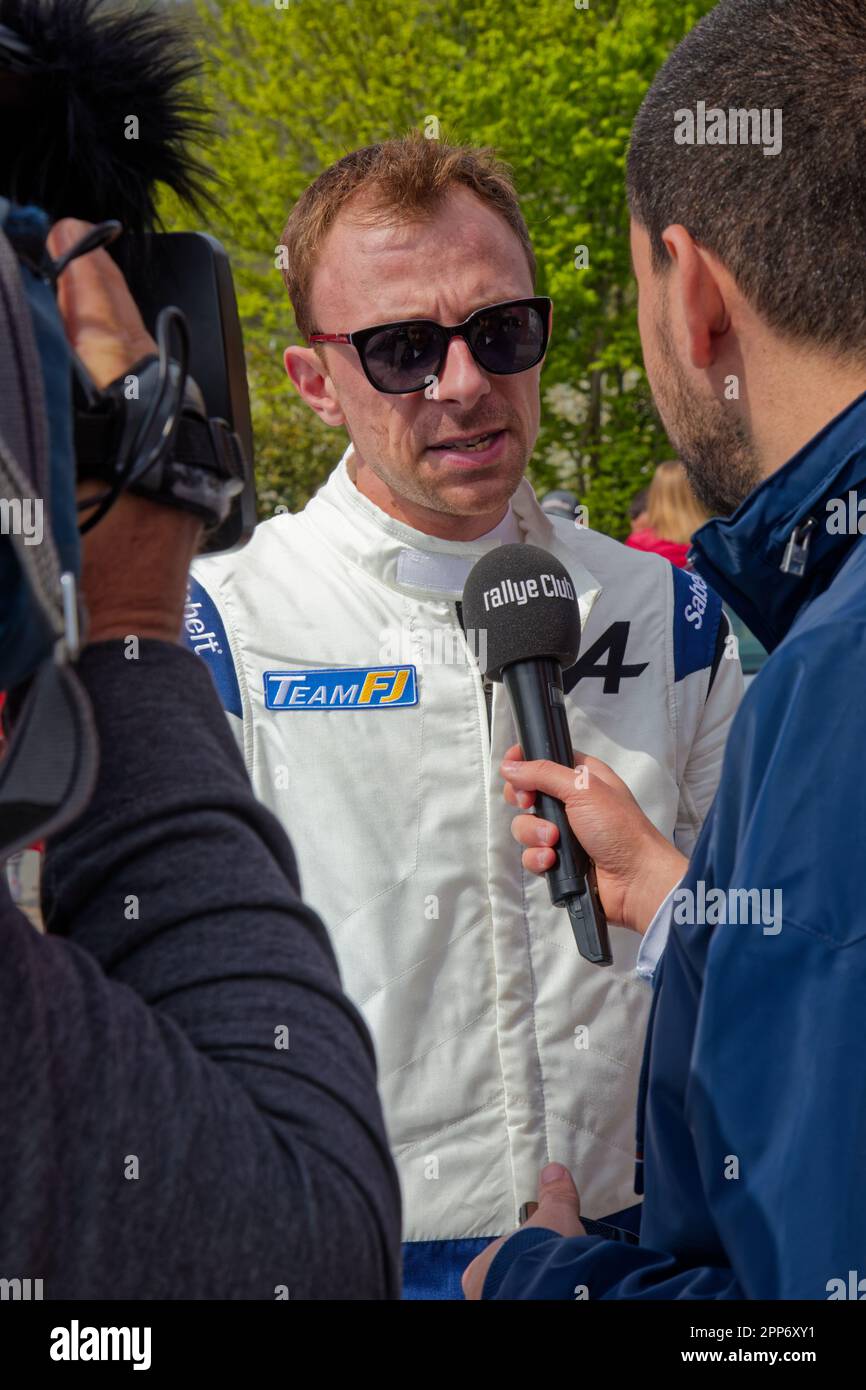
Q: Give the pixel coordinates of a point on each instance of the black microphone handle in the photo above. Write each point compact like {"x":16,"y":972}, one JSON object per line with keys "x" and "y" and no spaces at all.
{"x":537,"y":701}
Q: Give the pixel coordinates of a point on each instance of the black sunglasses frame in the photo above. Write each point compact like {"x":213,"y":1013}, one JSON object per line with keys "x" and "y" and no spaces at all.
{"x":542,"y":304}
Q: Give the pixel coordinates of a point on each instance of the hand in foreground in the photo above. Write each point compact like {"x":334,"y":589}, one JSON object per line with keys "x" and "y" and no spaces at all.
{"x":635,"y":865}
{"x":136,"y":560}
{"x":558,"y":1210}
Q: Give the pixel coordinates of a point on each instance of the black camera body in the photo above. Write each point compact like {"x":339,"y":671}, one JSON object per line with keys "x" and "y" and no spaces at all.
{"x":190,"y":270}
{"x":174,"y":427}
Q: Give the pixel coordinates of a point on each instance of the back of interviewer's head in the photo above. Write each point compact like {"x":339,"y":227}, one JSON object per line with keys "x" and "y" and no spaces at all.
{"x":97,"y":107}
{"x":788,"y":223}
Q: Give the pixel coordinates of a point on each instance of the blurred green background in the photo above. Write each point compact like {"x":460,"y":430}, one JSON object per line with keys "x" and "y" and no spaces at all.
{"x":551,"y":86}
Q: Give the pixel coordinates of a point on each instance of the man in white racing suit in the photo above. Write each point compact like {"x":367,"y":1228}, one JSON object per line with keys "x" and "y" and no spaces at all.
{"x":336,"y":640}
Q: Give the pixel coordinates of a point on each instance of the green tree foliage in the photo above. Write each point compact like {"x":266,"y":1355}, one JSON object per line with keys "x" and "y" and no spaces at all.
{"x":552,"y":87}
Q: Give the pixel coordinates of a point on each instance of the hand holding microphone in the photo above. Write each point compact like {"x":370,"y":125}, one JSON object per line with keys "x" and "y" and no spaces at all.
{"x":522,"y":599}
{"x":636,"y":866}
{"x":600,"y":854}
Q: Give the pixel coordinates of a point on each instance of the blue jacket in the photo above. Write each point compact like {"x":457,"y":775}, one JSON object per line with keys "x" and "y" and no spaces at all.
{"x":752,"y":1114}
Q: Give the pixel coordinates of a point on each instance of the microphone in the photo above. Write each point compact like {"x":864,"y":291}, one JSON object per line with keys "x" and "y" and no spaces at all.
{"x":524,"y":602}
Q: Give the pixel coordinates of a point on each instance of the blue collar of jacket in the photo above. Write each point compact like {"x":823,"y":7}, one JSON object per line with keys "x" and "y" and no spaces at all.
{"x":777,"y":553}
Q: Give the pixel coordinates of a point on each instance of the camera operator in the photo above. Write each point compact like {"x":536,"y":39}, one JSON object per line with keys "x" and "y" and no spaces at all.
{"x":189,"y":1099}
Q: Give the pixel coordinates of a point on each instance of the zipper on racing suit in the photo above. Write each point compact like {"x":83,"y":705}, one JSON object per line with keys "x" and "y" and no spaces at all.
{"x":486,"y":682}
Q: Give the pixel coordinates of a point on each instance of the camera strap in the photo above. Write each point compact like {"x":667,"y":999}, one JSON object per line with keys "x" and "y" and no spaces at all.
{"x":179,"y":457}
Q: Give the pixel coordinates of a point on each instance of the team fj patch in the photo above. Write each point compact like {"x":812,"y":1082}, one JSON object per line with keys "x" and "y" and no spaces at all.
{"x":354,"y":687}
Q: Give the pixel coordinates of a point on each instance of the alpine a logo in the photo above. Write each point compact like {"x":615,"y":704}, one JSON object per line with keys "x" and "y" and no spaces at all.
{"x":354,"y":687}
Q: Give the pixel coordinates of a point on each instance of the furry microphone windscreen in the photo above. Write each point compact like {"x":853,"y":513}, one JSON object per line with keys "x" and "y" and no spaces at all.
{"x":97,"y":106}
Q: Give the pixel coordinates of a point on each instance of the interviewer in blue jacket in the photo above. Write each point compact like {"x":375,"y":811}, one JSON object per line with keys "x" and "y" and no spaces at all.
{"x":752,"y":276}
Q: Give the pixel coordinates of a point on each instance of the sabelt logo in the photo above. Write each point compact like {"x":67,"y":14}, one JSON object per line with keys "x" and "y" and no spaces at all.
{"x":697,"y":605}
{"x":352,"y":687}
{"x":520,"y":591}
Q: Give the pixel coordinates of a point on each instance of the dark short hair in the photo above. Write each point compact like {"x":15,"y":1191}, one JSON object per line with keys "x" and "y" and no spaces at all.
{"x":791,"y":228}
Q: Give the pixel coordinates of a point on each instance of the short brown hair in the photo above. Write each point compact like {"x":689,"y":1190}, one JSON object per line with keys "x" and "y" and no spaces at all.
{"x":405,"y":180}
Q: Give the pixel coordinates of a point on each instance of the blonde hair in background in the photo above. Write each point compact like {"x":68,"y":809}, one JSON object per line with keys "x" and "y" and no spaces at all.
{"x":400,"y":180}
{"x":673,"y":510}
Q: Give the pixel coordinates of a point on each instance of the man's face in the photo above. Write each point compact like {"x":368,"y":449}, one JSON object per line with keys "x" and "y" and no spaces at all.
{"x":462,"y":259}
{"x":708,"y":431}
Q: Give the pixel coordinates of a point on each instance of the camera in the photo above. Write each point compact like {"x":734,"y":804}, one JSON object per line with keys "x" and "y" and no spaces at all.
{"x":175,"y":427}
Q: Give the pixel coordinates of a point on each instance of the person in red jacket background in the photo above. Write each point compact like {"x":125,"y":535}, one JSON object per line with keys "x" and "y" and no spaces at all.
{"x":673,"y":514}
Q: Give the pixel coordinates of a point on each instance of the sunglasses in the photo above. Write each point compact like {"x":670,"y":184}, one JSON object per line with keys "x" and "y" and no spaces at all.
{"x":398,"y":358}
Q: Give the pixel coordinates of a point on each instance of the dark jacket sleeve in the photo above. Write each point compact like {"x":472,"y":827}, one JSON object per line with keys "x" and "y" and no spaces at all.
{"x":539,"y":1264}
{"x":189,"y":1099}
{"x":756,"y":1135}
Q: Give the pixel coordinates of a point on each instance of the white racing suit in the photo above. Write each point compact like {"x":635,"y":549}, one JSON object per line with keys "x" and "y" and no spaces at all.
{"x":336,"y":644}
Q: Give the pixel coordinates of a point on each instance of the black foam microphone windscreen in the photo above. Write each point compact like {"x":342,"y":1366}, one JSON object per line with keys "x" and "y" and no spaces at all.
{"x":520,"y":603}
{"x":522,"y":598}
